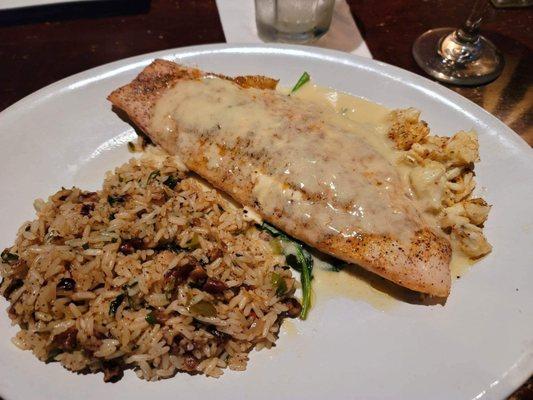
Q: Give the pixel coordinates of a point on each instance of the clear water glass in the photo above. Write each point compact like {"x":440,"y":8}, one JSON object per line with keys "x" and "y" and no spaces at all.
{"x":294,"y":21}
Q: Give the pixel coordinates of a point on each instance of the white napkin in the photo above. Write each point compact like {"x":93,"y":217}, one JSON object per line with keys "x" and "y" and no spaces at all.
{"x":238,"y":22}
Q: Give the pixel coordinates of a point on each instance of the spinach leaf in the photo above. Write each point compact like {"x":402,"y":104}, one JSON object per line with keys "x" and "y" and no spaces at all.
{"x":300,"y":261}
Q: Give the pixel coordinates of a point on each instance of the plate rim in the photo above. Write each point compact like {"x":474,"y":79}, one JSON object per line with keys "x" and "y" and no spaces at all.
{"x":440,"y":92}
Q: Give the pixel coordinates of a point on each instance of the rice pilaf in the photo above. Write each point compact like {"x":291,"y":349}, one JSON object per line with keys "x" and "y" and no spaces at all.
{"x":155,"y":272}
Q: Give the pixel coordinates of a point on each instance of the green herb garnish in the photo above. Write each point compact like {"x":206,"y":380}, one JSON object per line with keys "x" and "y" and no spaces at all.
{"x":8,"y":257}
{"x":193,"y":243}
{"x":302,"y":81}
{"x":151,"y":319}
{"x":131,"y":147}
{"x":301,"y":261}
{"x":115,"y":199}
{"x":203,"y":308}
{"x":278,"y":283}
{"x":276,"y":246}
{"x":171,"y":182}
{"x":115,"y":304}
{"x":85,"y":246}
{"x":152,"y":176}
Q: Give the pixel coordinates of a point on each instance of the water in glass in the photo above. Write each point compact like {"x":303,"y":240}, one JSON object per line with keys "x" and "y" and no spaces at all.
{"x":296,"y":21}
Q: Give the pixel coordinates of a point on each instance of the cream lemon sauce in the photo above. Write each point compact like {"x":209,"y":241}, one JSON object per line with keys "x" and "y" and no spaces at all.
{"x":460,"y":263}
{"x":315,"y":167}
{"x":353,"y":282}
{"x":371,"y":120}
{"x":313,"y":163}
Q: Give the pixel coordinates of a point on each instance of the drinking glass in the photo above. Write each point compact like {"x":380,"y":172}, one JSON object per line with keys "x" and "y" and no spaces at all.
{"x":297,"y":21}
{"x":460,"y":56}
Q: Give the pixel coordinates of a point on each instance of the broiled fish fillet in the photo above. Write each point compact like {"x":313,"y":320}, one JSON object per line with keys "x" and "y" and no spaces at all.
{"x":292,"y":163}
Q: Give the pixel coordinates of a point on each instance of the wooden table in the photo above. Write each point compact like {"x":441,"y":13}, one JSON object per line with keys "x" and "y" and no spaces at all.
{"x":40,"y":46}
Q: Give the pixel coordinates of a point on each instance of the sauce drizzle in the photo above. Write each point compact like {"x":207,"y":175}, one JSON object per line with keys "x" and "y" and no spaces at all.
{"x":310,"y":164}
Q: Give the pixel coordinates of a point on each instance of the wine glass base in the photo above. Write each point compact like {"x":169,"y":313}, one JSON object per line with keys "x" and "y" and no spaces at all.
{"x":486,"y":67}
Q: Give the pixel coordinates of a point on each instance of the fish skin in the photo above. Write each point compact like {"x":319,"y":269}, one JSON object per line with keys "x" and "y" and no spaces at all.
{"x":422,"y":266}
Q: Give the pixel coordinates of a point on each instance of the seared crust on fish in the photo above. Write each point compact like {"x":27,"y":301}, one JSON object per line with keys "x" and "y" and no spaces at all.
{"x":421,"y":264}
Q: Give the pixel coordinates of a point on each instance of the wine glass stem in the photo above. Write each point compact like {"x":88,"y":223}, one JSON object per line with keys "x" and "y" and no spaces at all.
{"x":463,"y":45}
{"x":460,"y":56}
{"x":469,"y":32}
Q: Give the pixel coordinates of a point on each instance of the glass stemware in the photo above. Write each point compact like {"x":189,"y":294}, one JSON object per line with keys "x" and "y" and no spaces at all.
{"x":460,"y":56}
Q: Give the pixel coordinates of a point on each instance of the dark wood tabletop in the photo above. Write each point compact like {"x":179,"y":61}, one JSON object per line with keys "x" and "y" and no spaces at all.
{"x":41,"y":45}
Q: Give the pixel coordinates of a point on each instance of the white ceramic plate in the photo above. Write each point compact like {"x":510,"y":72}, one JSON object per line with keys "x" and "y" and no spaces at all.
{"x":479,"y":345}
